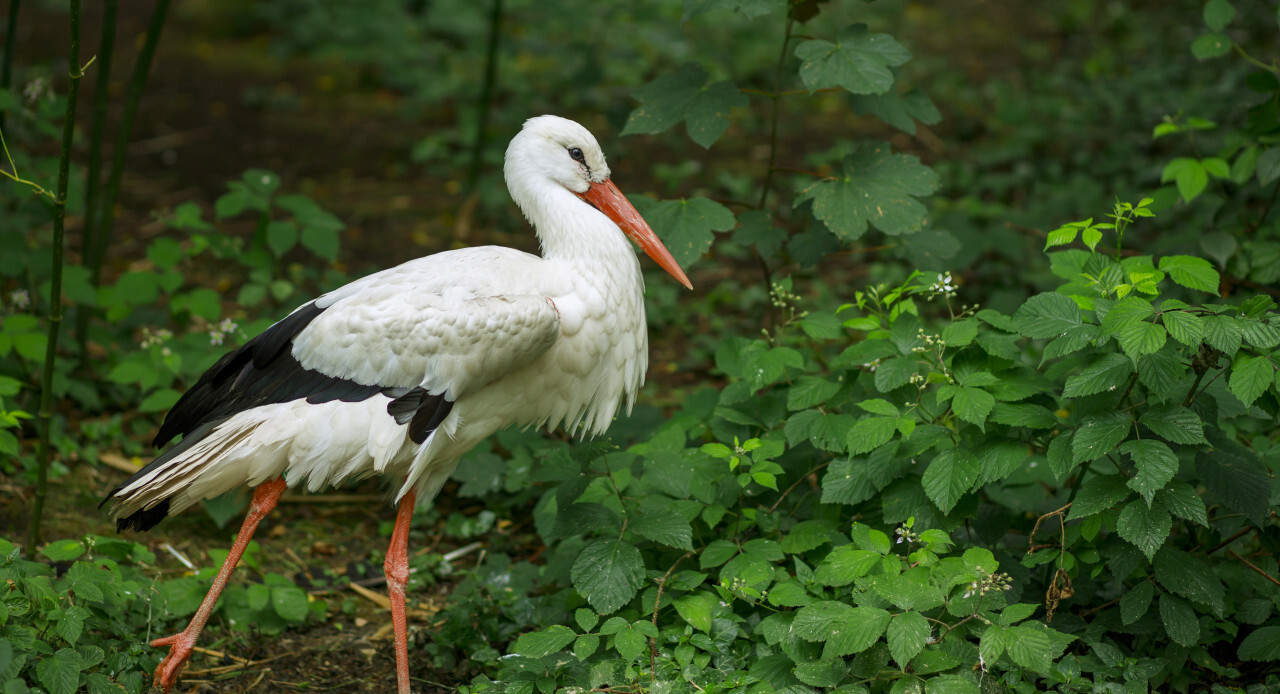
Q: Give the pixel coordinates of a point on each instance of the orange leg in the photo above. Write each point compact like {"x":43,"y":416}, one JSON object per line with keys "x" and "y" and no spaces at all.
{"x":265,"y":497}
{"x":396,"y":567}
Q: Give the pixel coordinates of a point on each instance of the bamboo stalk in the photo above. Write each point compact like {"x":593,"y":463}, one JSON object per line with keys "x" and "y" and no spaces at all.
{"x":96,"y":251}
{"x":6,"y":70}
{"x":93,"y":176}
{"x":486,"y":95}
{"x":45,"y":414}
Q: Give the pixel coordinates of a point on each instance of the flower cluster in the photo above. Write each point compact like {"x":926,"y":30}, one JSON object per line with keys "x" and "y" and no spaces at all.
{"x":905,"y":534}
{"x":988,"y":582}
{"x":221,"y":330}
{"x":944,"y":287}
{"x":157,"y":338}
{"x":20,"y":299}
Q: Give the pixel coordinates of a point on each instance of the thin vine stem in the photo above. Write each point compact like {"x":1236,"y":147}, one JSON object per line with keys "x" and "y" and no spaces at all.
{"x":45,"y":414}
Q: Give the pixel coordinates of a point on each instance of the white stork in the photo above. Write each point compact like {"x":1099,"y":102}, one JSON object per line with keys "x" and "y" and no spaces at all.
{"x":402,"y":372}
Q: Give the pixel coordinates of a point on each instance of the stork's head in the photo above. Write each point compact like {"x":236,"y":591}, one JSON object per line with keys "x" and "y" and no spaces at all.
{"x":556,"y":152}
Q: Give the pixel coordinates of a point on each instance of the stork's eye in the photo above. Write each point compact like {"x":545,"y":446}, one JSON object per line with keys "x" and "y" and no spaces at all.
{"x":577,"y":155}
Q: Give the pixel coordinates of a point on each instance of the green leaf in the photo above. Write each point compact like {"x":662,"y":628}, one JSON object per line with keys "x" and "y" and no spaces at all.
{"x":894,"y":373}
{"x":1191,"y":272}
{"x":1224,"y":334}
{"x":321,"y":241}
{"x":716,"y":553}
{"x":1183,"y":501}
{"x":875,"y":187}
{"x":282,"y":236}
{"x":870,"y":433}
{"x":1035,"y":646}
{"x":806,"y":535}
{"x":1145,"y":527}
{"x":950,"y":474}
{"x":844,"y":629}
{"x":960,"y":333}
{"x":1023,"y":415}
{"x":1098,"y":493}
{"x":1135,"y":602}
{"x":63,"y":550}
{"x":810,"y":391}
{"x":972,"y":404}
{"x":879,"y":406}
{"x":539,"y":644}
{"x":290,"y":602}
{"x":1141,"y":338}
{"x":159,"y":400}
{"x":1269,"y":165}
{"x":859,"y":61}
{"x":1161,"y":372}
{"x":1251,"y":376}
{"x":59,"y":673}
{"x":1261,"y":644}
{"x":1184,"y":327}
{"x":845,"y":564}
{"x":670,"y":529}
{"x":696,"y":610}
{"x":1189,"y":175}
{"x":1179,"y":620}
{"x":1098,"y":435}
{"x":1174,"y":423}
{"x":685,"y":225}
{"x":1218,"y":14}
{"x":1261,"y":335}
{"x":1156,"y":465}
{"x":1233,"y":474}
{"x":629,"y":642}
{"x":1106,"y":373}
{"x":608,"y":573}
{"x":907,"y":635}
{"x":1187,"y":575}
{"x":1047,"y":315}
{"x":585,"y":645}
{"x":685,"y":96}
{"x":899,"y":110}
{"x":1210,"y":46}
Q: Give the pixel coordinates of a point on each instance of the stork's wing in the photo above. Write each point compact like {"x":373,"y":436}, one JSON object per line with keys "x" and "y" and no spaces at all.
{"x":424,"y":333}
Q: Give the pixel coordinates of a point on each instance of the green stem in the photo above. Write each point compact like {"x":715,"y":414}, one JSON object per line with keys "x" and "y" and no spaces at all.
{"x":6,"y":70}
{"x":93,"y":178}
{"x":486,"y":95}
{"x":45,"y":414}
{"x":95,"y":253}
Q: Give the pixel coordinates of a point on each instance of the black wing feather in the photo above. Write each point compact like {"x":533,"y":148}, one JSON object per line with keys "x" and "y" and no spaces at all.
{"x":261,"y":372}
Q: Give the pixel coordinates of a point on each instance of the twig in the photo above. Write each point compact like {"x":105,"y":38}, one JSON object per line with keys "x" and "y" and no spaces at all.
{"x":653,"y":645}
{"x":92,"y":174}
{"x":795,"y":484}
{"x":1231,"y":539}
{"x":45,"y":413}
{"x":1249,"y":564}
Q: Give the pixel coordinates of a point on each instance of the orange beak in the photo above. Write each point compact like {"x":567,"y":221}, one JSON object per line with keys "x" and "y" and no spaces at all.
{"x":608,"y":199}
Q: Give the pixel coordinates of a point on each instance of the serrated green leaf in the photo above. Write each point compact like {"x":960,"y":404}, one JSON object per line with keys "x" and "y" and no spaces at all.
{"x":539,"y":644}
{"x":1261,"y":644}
{"x":1187,"y":575}
{"x":960,"y":333}
{"x":685,"y":226}
{"x":875,"y":187}
{"x":1108,"y":372}
{"x":685,"y":96}
{"x":972,"y":404}
{"x":1035,"y":646}
{"x":1023,"y":415}
{"x":1261,"y":335}
{"x":630,"y":643}
{"x":1269,"y":165}
{"x":1098,"y":493}
{"x":1174,"y":423}
{"x":1251,"y":376}
{"x":1161,"y":372}
{"x":1191,"y":272}
{"x":844,"y":629}
{"x":999,"y":459}
{"x":608,"y":573}
{"x":870,"y":433}
{"x":1183,"y":501}
{"x":894,"y":373}
{"x":879,"y":406}
{"x":756,"y":228}
{"x":1141,"y":338}
{"x":62,"y":550}
{"x":1047,"y":315}
{"x":1179,"y":620}
{"x":806,"y":535}
{"x":1145,"y":527}
{"x":696,"y":610}
{"x":859,"y":61}
{"x":1156,"y":464}
{"x":1097,"y":435}
{"x":60,"y":672}
{"x":949,"y":476}
{"x":1235,"y":475}
{"x":1135,"y":602}
{"x":828,"y":432}
{"x":845,"y":564}
{"x":670,"y":529}
{"x":907,"y":634}
{"x":1184,"y":327}
{"x":1224,"y":334}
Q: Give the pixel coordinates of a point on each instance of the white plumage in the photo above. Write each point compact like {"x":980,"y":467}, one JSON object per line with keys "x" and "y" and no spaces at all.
{"x":402,"y":372}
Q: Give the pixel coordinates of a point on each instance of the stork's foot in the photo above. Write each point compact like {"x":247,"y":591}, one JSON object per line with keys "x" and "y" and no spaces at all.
{"x":180,"y":645}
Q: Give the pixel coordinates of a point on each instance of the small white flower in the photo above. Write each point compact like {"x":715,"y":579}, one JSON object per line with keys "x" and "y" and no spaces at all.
{"x":20,"y":298}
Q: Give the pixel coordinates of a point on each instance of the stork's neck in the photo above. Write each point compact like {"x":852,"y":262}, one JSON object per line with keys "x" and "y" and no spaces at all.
{"x":571,"y":230}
